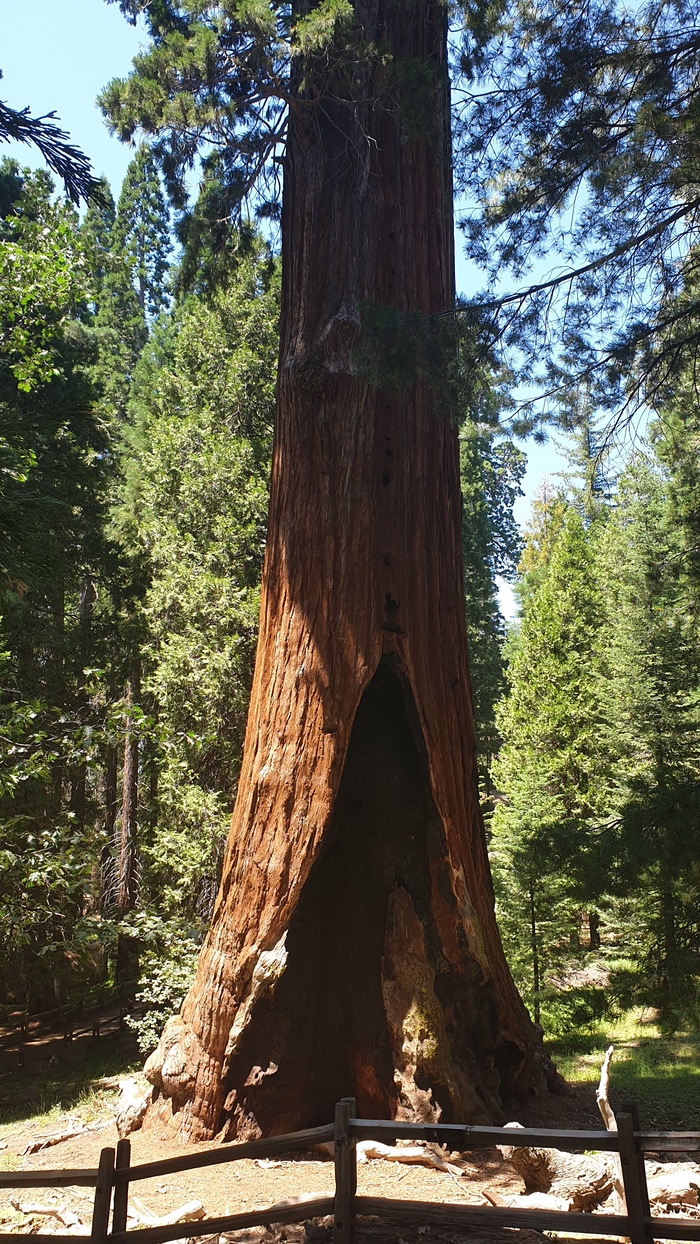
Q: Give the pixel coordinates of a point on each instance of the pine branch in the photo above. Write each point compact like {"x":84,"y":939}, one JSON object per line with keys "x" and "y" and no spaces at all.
{"x":62,"y":156}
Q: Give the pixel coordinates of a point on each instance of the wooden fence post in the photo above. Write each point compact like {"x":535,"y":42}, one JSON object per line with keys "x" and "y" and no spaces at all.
{"x":634,"y":1180}
{"x":631,"y":1108}
{"x":121,"y":1188}
{"x":103,"y":1197}
{"x":345,"y":1174}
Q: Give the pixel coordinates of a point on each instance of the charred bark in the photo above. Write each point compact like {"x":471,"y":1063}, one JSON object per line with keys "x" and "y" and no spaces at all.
{"x":353,"y":947}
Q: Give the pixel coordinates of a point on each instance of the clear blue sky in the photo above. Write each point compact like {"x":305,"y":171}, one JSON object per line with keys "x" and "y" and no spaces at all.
{"x":58,"y":54}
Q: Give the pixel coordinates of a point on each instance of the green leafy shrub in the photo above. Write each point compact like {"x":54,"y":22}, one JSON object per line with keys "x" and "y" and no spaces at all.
{"x":568,"y":1012}
{"x":167,"y":971}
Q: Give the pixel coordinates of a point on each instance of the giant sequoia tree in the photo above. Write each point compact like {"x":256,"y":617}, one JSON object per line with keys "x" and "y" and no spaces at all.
{"x":353,"y":946}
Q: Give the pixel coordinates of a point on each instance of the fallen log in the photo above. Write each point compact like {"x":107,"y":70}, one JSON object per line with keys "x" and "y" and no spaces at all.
{"x":412,"y":1155}
{"x":69,"y":1133}
{"x":191,"y":1211}
{"x":674,"y":1184}
{"x":64,"y":1215}
{"x":581,"y":1181}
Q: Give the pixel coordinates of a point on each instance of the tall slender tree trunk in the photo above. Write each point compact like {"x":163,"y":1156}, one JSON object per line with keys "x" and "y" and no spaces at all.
{"x":111,"y":766}
{"x":668,"y":922}
{"x":353,"y":945}
{"x":534,"y":948}
{"x":78,"y":794}
{"x":125,"y":855}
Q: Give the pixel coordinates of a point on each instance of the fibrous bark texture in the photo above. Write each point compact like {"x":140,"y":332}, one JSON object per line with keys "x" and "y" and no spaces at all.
{"x":353,"y":947}
{"x":582,"y":1181}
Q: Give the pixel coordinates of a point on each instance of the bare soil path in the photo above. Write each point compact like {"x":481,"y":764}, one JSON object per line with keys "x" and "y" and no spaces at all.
{"x":242,"y":1185}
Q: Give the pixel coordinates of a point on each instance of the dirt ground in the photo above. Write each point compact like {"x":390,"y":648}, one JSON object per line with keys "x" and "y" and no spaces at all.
{"x":251,"y":1184}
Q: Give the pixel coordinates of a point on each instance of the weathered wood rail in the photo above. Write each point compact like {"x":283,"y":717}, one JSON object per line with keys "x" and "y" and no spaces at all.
{"x":115,"y":1174}
{"x":20,"y":1028}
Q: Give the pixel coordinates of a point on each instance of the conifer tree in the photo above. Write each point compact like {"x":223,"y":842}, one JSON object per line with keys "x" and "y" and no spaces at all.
{"x":491,"y":468}
{"x":550,"y":770}
{"x":193,"y":507}
{"x":654,"y":734}
{"x":580,"y":137}
{"x":141,"y":232}
{"x":132,"y":246}
{"x":547,"y":515}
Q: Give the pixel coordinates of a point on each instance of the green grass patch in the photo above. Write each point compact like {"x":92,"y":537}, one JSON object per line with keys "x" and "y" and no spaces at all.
{"x":661,"y":1073}
{"x":68,"y":1081}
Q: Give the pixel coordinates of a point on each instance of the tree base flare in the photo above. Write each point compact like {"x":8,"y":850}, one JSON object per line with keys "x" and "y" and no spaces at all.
{"x":380,"y":987}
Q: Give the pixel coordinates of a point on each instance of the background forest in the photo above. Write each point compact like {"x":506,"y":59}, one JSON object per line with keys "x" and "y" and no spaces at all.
{"x":137,"y":375}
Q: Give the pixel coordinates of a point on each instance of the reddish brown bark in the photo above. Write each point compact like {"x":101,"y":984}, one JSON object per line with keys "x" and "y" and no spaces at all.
{"x":353,"y":947}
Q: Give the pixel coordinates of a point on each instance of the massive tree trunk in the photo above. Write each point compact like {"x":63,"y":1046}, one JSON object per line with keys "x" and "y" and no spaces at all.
{"x":353,"y":946}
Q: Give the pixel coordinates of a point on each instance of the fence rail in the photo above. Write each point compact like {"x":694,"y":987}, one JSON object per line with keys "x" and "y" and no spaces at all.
{"x":112,"y":1179}
{"x":23,"y":1026}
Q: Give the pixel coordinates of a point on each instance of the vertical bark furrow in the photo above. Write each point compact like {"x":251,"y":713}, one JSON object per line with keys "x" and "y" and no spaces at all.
{"x":353,"y":948}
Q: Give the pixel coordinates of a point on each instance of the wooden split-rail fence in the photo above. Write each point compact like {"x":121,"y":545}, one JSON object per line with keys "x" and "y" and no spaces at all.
{"x":115,"y":1175}
{"x":20,"y":1028}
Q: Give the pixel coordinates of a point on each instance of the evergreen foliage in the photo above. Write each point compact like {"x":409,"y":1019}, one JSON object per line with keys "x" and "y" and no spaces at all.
{"x":42,"y":275}
{"x":654,"y":734}
{"x":600,"y":765}
{"x":194,"y":503}
{"x":136,"y":407}
{"x":545,"y":847}
{"x":492,"y":467}
{"x":141,"y":232}
{"x":52,"y":520}
{"x":578,"y":132}
{"x":62,"y":157}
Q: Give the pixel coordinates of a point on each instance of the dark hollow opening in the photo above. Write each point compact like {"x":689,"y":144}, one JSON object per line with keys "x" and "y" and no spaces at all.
{"x":322,"y":1033}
